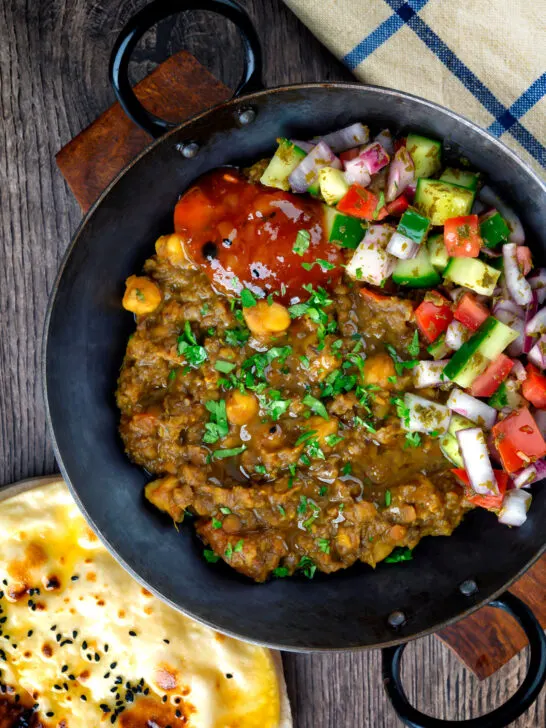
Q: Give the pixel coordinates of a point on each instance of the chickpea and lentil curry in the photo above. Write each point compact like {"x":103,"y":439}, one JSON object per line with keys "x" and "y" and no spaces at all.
{"x":264,"y":390}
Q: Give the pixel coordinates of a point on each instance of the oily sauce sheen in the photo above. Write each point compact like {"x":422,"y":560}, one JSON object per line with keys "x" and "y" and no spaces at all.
{"x":243,"y":236}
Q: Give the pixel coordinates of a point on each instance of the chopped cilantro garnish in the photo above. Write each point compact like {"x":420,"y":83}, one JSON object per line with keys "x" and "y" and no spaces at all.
{"x":380,"y":205}
{"x":228,"y":553}
{"x":304,"y":460}
{"x":270,"y":300}
{"x":304,"y":362}
{"x":304,"y":437}
{"x":229,"y":453}
{"x":388,"y":498}
{"x":324,"y":545}
{"x":224,"y":366}
{"x":358,"y":273}
{"x":347,"y":469}
{"x":325,"y":265}
{"x":413,"y":439}
{"x":434,"y":433}
{"x":399,"y":364}
{"x":172,"y":375}
{"x":400,"y":553}
{"x":247,"y":298}
{"x":307,"y":567}
{"x":316,"y":406}
{"x":218,"y":426}
{"x":280,"y":572}
{"x":204,"y":309}
{"x":333,"y":439}
{"x":239,"y":546}
{"x":302,"y":505}
{"x":210,"y":556}
{"x":323,"y":490}
{"x":273,"y":406}
{"x":392,"y":379}
{"x":314,"y":450}
{"x":188,"y":347}
{"x":303,"y":239}
{"x":225,"y":510}
{"x":260,"y":469}
{"x":216,"y":523}
{"x":281,"y":510}
{"x":236,"y":337}
{"x":414,"y":348}
{"x":401,"y":410}
{"x":292,"y":469}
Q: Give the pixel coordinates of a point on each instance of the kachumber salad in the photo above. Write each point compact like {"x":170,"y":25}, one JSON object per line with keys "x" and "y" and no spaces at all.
{"x":338,"y":351}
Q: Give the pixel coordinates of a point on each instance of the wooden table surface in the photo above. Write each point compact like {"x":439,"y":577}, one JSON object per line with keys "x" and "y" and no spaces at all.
{"x":53,"y":83}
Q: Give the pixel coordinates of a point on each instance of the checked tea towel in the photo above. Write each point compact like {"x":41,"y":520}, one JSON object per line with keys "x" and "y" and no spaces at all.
{"x":485,"y":59}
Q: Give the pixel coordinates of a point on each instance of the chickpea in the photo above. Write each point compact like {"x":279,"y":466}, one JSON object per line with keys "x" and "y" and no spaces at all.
{"x":264,"y":319}
{"x":323,"y":428}
{"x":231,"y":523}
{"x":141,"y":295}
{"x":241,"y":408}
{"x":377,"y":370}
{"x":170,"y":247}
{"x":397,"y":533}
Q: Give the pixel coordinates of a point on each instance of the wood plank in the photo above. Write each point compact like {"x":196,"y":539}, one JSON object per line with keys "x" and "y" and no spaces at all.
{"x":177,"y":89}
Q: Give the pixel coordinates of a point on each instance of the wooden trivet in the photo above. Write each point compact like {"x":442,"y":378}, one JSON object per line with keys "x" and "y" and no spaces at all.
{"x":176,"y":90}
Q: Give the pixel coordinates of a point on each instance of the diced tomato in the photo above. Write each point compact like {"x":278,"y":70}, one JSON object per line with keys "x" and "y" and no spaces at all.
{"x":524,"y":258}
{"x":349,"y":154}
{"x":470,"y":312}
{"x":433,"y":316}
{"x":399,"y":206}
{"x":534,"y":387}
{"x":372,"y":295}
{"x":487,"y":383}
{"x":518,"y":440}
{"x":359,"y":202}
{"x":462,"y":236}
{"x":490,"y":502}
{"x":400,"y":142}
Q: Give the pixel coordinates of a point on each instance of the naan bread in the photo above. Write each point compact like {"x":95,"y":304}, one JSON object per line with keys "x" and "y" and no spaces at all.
{"x":87,"y":646}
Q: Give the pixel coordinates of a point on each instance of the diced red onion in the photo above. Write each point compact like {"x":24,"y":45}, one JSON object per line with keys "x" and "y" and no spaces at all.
{"x":385,"y":139}
{"x":425,"y":415}
{"x":514,"y":508}
{"x":530,"y":313}
{"x":537,"y":324}
{"x":540,"y":418}
{"x":375,"y":157}
{"x":356,"y":172}
{"x":493,"y":452}
{"x":350,"y":136}
{"x":401,"y":174}
{"x":456,"y":293}
{"x":456,"y":335}
{"x":402,"y":247}
{"x":525,"y":477}
{"x":537,"y":355}
{"x":525,"y":259}
{"x":473,"y":447}
{"x":306,"y":173}
{"x":370,"y":258}
{"x":429,"y":373}
{"x":410,"y":191}
{"x":538,"y":284}
{"x":474,"y":409}
{"x":519,"y":371}
{"x":517,"y":234}
{"x":477,"y":207}
{"x":490,"y":253}
{"x":306,"y":146}
{"x":519,"y":287}
{"x":506,"y":307}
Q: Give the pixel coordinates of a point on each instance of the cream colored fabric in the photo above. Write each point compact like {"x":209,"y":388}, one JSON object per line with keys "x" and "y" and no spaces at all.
{"x":484,"y":59}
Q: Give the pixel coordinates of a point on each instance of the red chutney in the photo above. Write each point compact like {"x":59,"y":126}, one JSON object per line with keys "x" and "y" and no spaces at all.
{"x":243,"y":235}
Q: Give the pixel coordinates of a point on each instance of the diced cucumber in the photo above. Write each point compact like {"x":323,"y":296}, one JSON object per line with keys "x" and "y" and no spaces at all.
{"x":494,"y":230}
{"x":342,"y":230}
{"x":283,"y":163}
{"x":499,"y":399}
{"x":438,"y":252}
{"x":416,"y":272}
{"x":472,"y":273}
{"x":490,"y":340}
{"x":449,"y":446}
{"x":333,"y":185}
{"x":441,"y":200}
{"x":414,"y":226}
{"x":438,"y":349}
{"x":426,"y":154}
{"x":461,"y":177}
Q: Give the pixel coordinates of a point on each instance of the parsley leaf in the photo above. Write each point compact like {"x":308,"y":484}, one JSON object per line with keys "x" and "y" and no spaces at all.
{"x":229,"y":453}
{"x":414,"y":348}
{"x":316,"y":406}
{"x":304,"y":437}
{"x":216,"y":523}
{"x":188,"y":347}
{"x":324,"y":545}
{"x":399,"y":364}
{"x":239,"y":546}
{"x":218,"y":426}
{"x":280,"y":572}
{"x":303,"y":239}
{"x":347,"y":469}
{"x":401,"y":410}
{"x":314,"y":450}
{"x":325,"y":265}
{"x":333,"y":439}
{"x":260,"y":469}
{"x":379,"y":206}
{"x":247,"y":298}
{"x":400,"y":553}
{"x":236,"y":337}
{"x":388,"y":498}
{"x":224,"y":366}
{"x":307,"y":567}
{"x":210,"y":556}
{"x":413,"y":439}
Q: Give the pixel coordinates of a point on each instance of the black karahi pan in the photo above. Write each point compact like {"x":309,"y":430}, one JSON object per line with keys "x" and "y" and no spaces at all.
{"x":86,"y":334}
